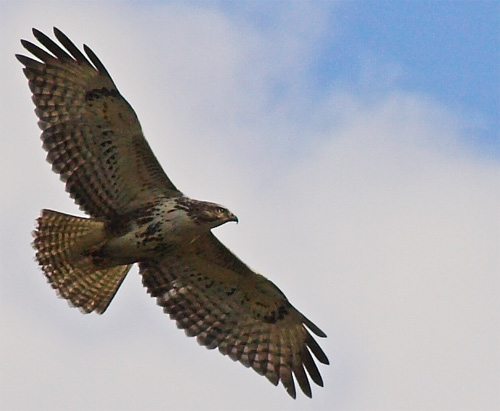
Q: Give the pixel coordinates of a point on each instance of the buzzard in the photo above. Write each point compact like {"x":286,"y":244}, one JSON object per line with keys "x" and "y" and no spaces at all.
{"x":95,"y":143}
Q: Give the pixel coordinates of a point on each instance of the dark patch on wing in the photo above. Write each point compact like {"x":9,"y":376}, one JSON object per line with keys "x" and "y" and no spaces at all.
{"x":94,"y":94}
{"x":153,"y":229}
{"x":276,"y":315}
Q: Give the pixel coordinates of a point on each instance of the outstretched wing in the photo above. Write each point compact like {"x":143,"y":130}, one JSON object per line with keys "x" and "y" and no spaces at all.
{"x":91,"y":133}
{"x":214,"y":296}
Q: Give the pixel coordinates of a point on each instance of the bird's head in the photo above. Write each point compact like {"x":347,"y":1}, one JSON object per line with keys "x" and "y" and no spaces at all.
{"x":206,"y":214}
{"x":214,"y":215}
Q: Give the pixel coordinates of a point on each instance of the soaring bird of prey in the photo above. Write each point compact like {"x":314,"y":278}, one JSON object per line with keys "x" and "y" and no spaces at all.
{"x":95,"y":143}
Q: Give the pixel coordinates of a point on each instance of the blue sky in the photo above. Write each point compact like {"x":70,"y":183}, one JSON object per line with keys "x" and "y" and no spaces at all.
{"x":358,"y":143}
{"x":450,"y":50}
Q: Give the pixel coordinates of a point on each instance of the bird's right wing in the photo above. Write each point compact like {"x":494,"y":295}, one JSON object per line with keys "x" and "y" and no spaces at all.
{"x":215,"y":297}
{"x":91,"y":133}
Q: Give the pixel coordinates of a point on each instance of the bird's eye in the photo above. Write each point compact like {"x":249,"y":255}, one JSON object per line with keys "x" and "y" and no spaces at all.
{"x":220,"y":210}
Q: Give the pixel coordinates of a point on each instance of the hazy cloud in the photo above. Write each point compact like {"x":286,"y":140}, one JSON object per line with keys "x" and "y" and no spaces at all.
{"x":366,"y":209}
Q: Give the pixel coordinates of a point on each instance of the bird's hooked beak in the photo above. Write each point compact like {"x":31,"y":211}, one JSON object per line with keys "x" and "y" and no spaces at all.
{"x":232,"y":217}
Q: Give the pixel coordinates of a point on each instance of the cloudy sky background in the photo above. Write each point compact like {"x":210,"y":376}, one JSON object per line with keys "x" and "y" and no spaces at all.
{"x":358,"y":143}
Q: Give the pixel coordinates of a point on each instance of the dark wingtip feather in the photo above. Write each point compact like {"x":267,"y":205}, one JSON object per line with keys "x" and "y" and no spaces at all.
{"x":22,"y":59}
{"x":291,"y":391}
{"x":317,"y":350}
{"x":38,"y":52}
{"x":313,"y":327}
{"x":40,"y":36}
{"x":28,"y":45}
{"x":70,"y":46}
{"x":95,"y":60}
{"x":311,"y":367}
{"x":301,"y":377}
{"x":287,"y":381}
{"x":25,"y":43}
{"x":51,"y":46}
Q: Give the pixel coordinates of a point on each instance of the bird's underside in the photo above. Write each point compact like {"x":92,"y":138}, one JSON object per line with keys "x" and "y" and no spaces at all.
{"x":95,"y":143}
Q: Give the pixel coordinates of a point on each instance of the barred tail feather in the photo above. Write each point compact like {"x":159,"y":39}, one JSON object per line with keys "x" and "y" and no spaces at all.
{"x":62,"y":243}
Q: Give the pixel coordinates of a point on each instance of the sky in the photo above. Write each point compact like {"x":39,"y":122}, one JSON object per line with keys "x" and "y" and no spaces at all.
{"x":358,"y":143}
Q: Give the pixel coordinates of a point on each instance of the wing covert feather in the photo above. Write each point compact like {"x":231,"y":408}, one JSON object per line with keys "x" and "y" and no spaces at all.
{"x":90,"y":132}
{"x":212,"y":295}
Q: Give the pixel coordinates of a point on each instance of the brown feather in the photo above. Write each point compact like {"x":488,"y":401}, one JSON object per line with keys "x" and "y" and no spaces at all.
{"x":95,"y":143}
{"x":88,"y":129}
{"x":59,"y":240}
{"x":212,"y":295}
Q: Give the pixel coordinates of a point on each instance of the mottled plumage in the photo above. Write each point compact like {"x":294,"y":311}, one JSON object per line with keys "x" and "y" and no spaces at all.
{"x":95,"y":143}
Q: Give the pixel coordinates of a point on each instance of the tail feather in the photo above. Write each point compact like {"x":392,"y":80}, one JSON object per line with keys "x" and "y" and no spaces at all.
{"x":63,"y":244}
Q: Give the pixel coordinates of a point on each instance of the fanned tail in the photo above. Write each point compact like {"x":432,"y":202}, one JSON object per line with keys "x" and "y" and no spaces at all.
{"x":63,"y":246}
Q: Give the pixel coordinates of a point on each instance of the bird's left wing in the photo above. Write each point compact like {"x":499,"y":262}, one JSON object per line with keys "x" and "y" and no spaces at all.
{"x":90,"y":132}
{"x":217,"y":298}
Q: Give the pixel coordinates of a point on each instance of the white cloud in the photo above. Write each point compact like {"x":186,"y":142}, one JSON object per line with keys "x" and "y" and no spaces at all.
{"x":407,"y":228}
{"x":381,"y":228}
